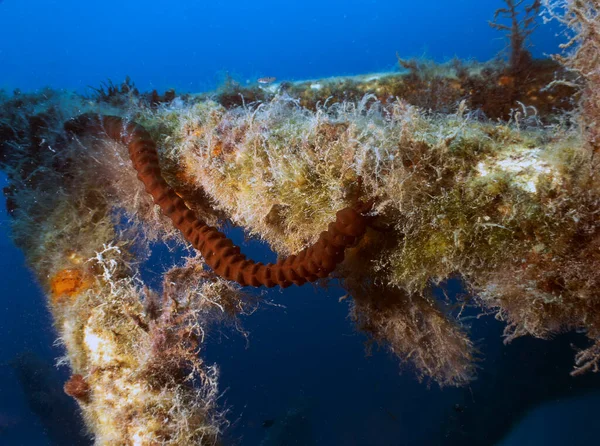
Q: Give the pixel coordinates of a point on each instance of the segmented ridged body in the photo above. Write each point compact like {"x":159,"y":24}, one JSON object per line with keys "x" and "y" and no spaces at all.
{"x":218,"y":251}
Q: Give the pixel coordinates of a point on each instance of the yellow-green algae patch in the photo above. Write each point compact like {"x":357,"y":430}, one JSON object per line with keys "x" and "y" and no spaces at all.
{"x":457,"y":195}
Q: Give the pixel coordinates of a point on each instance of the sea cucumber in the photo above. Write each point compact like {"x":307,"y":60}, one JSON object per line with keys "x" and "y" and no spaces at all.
{"x":219,"y":252}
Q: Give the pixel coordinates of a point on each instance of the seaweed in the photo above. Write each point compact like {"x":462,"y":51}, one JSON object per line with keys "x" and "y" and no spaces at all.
{"x":518,"y":32}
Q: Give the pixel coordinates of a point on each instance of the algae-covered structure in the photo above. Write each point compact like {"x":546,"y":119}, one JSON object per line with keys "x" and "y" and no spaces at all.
{"x":390,"y":183}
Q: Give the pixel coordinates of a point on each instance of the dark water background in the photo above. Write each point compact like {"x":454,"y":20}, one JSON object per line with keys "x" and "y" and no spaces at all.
{"x":304,"y":371}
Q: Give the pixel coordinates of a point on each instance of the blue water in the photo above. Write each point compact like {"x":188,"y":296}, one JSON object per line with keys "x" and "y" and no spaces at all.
{"x":305,"y":366}
{"x":190,"y":45}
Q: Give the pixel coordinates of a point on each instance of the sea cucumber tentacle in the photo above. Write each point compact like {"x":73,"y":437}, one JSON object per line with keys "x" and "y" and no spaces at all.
{"x":219,"y":252}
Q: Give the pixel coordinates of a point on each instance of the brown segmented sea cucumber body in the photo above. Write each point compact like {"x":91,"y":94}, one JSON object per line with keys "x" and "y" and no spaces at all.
{"x":218,"y":251}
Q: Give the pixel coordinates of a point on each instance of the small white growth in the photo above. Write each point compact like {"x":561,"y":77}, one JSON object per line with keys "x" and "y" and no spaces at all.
{"x":101,"y":350}
{"x":316,"y":86}
{"x":136,"y":438}
{"x":482,"y":169}
{"x":525,"y":164}
{"x":177,"y":104}
{"x":109,"y":266}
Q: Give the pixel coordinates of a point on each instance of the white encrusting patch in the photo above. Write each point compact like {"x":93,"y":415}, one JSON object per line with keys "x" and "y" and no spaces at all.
{"x":526,"y":165}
